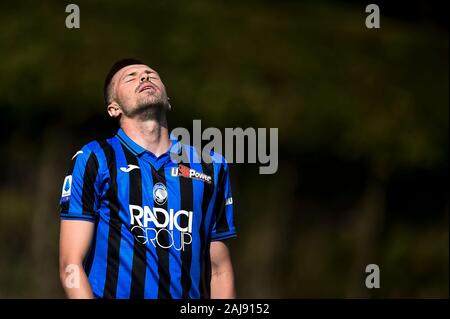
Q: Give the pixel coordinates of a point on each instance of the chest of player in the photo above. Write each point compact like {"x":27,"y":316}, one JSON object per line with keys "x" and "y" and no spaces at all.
{"x":174,"y":197}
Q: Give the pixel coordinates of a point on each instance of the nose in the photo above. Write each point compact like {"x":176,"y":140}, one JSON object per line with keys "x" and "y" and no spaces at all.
{"x":145,"y":77}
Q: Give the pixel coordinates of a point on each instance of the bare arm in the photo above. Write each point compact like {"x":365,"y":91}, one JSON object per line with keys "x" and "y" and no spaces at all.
{"x":222,"y":276}
{"x":74,"y":242}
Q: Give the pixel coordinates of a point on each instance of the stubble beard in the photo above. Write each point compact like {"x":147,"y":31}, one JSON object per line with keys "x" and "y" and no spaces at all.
{"x":147,"y":107}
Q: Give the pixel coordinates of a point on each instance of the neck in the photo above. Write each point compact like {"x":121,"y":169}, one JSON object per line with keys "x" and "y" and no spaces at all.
{"x":152,"y":134}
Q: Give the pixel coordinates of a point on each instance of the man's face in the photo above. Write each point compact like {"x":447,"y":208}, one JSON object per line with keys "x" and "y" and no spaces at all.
{"x":138,"y":89}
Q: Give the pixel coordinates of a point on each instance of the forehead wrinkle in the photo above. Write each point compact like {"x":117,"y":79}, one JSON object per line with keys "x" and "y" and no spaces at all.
{"x":133,"y":69}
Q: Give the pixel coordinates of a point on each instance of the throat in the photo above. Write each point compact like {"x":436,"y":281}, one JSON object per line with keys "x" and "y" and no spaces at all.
{"x":152,"y":135}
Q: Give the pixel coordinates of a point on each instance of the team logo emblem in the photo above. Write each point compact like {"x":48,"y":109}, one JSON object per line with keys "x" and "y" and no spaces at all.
{"x":159,"y":193}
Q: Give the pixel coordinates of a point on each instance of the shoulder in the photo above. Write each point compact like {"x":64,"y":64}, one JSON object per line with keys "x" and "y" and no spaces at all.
{"x":100,"y":147}
{"x":219,"y":160}
{"x":95,"y":153}
{"x":91,"y":149}
{"x":206,"y":157}
{"x":93,"y":157}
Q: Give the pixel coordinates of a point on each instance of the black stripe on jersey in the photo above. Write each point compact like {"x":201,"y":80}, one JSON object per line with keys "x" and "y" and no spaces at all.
{"x":163,"y":239}
{"x":65,"y":205}
{"x":186,"y":203}
{"x":65,"y":208}
{"x":89,"y":177}
{"x":205,"y":273}
{"x":90,"y":256}
{"x":219,"y":205}
{"x":114,"y":234}
{"x":139,"y":255}
{"x":126,"y":144}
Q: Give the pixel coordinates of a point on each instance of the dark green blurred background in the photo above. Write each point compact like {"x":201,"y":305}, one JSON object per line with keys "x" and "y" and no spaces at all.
{"x":363,"y":132}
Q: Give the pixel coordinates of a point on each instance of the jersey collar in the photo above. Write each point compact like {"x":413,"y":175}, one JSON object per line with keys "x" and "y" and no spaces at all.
{"x":136,"y":149}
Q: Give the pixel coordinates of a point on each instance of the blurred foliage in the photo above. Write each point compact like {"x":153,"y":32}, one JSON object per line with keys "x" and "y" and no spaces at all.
{"x":362,"y":117}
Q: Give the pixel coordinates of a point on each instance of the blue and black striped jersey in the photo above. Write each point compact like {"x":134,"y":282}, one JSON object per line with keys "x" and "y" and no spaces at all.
{"x":155,"y":218}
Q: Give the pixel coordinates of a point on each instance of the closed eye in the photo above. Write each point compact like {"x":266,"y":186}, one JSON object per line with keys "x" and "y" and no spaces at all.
{"x":130,"y":77}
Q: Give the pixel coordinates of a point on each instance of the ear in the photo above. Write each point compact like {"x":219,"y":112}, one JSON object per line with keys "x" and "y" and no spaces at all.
{"x":169,"y":107}
{"x":114,"y":110}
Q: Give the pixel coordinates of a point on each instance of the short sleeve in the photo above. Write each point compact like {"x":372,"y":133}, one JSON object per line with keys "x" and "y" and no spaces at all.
{"x":80,"y":189}
{"x":223,"y":223}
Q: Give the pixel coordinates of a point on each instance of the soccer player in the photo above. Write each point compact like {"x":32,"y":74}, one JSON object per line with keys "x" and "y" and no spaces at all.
{"x":136,"y":222}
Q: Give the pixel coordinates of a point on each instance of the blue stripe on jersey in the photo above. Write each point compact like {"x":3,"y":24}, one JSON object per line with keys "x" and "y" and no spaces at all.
{"x":97,"y":274}
{"x":161,"y":238}
{"x":152,"y":276}
{"x":210,"y":214}
{"x":173,"y":187}
{"x":229,"y":207}
{"x":77,"y":183}
{"x":125,"y":266}
{"x":186,"y":198}
{"x":196,"y":240}
{"x":222,"y":228}
{"x":126,"y":255}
